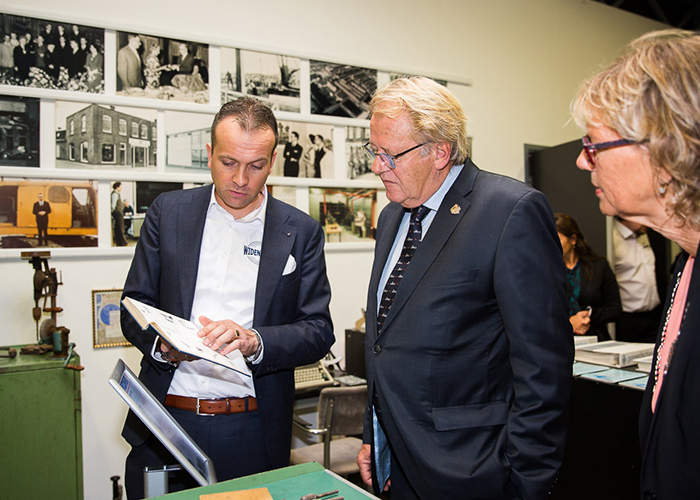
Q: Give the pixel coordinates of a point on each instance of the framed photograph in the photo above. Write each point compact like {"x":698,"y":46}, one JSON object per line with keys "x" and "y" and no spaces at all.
{"x":19,"y":139}
{"x":346,"y":214}
{"x":304,"y":150}
{"x":50,"y":55}
{"x":106,"y":323}
{"x":271,"y":78}
{"x":97,"y":136}
{"x":186,"y":138}
{"x":47,"y":213}
{"x":341,"y":90}
{"x":162,"y":68}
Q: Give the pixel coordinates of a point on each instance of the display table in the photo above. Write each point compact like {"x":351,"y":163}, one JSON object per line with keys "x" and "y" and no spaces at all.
{"x":40,"y":425}
{"x":290,"y":483}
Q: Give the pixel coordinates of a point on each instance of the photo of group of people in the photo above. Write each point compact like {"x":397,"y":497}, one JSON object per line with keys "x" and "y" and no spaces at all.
{"x":304,"y":150}
{"x":50,"y":55}
{"x":163,"y":68}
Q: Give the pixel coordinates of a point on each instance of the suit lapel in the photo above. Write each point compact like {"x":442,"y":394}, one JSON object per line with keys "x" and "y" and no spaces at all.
{"x":192,"y":215}
{"x":451,"y":211}
{"x":278,"y":241}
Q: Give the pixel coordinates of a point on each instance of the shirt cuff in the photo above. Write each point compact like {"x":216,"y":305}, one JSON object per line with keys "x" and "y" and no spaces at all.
{"x":257,"y":357}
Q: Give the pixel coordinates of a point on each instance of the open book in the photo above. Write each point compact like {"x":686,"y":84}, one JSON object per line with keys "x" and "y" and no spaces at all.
{"x":613,"y":353}
{"x":179,"y":333}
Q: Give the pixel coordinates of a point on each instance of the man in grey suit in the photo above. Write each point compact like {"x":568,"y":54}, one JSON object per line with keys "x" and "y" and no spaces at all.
{"x":468,"y":344}
{"x":251,"y":271}
{"x":129,"y":67}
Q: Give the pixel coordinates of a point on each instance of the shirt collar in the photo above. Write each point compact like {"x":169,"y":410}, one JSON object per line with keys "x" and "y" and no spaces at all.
{"x":257,"y":214}
{"x":435,"y":200}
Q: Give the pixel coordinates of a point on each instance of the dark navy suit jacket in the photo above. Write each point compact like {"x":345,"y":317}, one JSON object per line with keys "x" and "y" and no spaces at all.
{"x":291,"y":311}
{"x":473,"y":366}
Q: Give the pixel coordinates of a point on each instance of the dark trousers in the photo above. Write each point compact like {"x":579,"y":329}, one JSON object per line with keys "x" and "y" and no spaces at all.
{"x":638,"y":327}
{"x":119,"y":238}
{"x":42,"y":228}
{"x":234,"y":443}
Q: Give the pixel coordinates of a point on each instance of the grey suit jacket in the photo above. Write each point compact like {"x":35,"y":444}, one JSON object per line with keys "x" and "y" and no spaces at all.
{"x":473,"y":366}
{"x":291,"y":311}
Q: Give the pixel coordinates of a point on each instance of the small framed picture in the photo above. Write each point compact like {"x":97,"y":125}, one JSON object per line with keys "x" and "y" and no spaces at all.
{"x":106,"y":328}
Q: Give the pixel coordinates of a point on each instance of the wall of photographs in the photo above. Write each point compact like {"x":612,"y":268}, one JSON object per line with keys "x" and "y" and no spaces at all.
{"x":84,"y":109}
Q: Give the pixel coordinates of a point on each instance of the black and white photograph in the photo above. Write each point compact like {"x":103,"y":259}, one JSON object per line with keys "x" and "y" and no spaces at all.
{"x":272,"y":78}
{"x":287,"y":194}
{"x":129,"y":202}
{"x":99,"y":136}
{"x":396,"y":76}
{"x":186,"y":138}
{"x":19,"y":131}
{"x":304,"y":150}
{"x":162,"y":68}
{"x":359,"y":164}
{"x":341,"y":90}
{"x":47,"y":213}
{"x":346,"y":214}
{"x":51,"y":55}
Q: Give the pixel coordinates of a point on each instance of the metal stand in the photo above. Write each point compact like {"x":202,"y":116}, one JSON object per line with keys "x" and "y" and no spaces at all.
{"x":155,"y":480}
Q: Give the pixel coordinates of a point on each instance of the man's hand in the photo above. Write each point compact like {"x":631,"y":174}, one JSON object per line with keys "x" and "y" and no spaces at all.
{"x":226,"y":336}
{"x":171,"y":354}
{"x":364,"y":462}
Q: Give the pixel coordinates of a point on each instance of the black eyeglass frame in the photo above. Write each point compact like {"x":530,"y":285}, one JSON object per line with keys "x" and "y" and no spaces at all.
{"x":592,"y":147}
{"x":390,"y":159}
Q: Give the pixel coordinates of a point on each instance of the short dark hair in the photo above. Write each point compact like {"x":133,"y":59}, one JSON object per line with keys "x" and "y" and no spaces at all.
{"x":116,"y":185}
{"x":250,"y":114}
{"x":295,"y":134}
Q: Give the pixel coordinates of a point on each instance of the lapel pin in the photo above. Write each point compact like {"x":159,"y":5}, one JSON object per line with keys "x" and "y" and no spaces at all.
{"x":455,"y":209}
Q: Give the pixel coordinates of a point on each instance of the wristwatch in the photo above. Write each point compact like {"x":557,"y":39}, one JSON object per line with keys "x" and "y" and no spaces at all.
{"x":258,"y":351}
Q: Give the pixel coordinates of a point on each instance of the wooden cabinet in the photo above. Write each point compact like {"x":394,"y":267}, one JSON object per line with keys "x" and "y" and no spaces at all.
{"x":40,"y":428}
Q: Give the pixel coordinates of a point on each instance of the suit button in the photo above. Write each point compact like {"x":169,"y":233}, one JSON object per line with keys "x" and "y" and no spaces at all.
{"x":377,"y":349}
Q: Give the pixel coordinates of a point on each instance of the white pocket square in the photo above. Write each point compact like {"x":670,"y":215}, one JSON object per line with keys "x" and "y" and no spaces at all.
{"x":290,"y":266}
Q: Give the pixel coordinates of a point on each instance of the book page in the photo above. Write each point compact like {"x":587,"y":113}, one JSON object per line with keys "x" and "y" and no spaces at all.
{"x":182,"y":335}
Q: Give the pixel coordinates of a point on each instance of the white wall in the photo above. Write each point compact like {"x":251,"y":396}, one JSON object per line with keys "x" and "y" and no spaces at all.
{"x":524,"y":59}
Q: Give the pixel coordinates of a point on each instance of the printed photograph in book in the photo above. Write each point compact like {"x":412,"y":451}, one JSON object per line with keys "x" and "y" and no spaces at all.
{"x":47,"y":213}
{"x":19,"y":131}
{"x":347,"y":214}
{"x":51,"y":55}
{"x":272,"y":78}
{"x":162,"y":68}
{"x":341,"y":90}
{"x":304,"y":150}
{"x":99,"y":136}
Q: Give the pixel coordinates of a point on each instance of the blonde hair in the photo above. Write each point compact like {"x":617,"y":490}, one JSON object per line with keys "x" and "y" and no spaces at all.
{"x":652,"y":93}
{"x":435,"y":113}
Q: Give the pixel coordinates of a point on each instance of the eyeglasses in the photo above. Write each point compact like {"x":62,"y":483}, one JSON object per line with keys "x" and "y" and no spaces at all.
{"x":390,"y":160}
{"x":590,"y":147}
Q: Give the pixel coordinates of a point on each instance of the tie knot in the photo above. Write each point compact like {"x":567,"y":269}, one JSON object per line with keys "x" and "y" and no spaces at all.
{"x":419,"y":213}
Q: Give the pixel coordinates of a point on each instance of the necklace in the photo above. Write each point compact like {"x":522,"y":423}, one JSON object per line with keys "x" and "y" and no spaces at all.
{"x":657,"y":368}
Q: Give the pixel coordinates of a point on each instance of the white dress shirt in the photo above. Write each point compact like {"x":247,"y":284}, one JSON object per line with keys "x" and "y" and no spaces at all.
{"x":634,"y":267}
{"x":226,"y":281}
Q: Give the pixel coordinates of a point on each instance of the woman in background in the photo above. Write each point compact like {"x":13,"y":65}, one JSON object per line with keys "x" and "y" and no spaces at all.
{"x":642,"y":147}
{"x":592,"y":291}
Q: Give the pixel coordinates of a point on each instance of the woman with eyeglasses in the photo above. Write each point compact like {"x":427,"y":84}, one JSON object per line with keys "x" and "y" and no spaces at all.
{"x":642,"y":147}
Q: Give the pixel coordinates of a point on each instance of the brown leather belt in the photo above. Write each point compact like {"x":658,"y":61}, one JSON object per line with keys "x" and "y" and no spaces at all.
{"x":224,"y":406}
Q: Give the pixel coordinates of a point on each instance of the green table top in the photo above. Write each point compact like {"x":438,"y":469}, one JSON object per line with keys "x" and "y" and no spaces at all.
{"x":25,"y":362}
{"x":289,"y":483}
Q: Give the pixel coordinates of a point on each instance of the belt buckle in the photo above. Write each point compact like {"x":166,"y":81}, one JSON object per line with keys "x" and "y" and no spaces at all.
{"x":202,"y":414}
